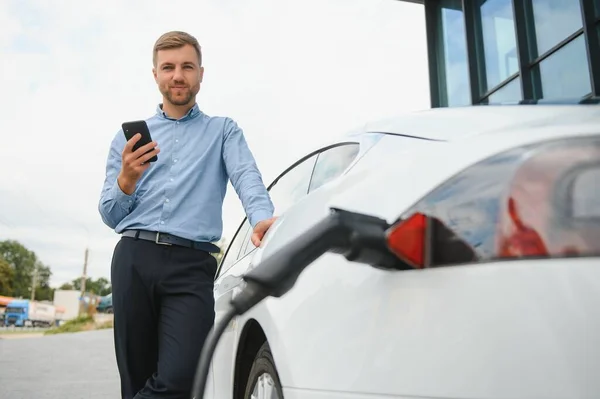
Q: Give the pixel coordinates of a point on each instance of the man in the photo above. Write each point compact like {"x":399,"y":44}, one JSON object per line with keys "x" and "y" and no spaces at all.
{"x":169,"y":212}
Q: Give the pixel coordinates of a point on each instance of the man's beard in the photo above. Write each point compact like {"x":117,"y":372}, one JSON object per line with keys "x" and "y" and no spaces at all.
{"x":191,"y":92}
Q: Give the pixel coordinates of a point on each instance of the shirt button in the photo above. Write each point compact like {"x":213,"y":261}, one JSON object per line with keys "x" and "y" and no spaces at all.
{"x":171,"y":179}
{"x":167,"y":200}
{"x":177,"y":122}
{"x":162,"y":222}
{"x":174,"y":160}
{"x":177,"y":141}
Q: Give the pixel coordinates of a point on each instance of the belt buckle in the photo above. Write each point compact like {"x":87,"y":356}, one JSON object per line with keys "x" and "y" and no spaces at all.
{"x":161,"y":243}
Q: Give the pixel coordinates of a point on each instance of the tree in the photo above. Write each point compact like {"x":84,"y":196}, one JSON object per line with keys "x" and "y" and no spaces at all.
{"x":100,"y":286}
{"x":43,"y":291}
{"x":6,"y":278}
{"x":24,"y":264}
{"x":66,"y":287}
{"x":22,"y":261}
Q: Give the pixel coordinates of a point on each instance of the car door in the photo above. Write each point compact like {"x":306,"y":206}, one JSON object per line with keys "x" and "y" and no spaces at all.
{"x":288,"y":188}
{"x":308,"y":174}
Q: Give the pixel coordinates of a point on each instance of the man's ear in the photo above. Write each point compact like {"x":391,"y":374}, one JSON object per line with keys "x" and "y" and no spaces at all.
{"x":154,"y":74}
{"x":201,"y":76}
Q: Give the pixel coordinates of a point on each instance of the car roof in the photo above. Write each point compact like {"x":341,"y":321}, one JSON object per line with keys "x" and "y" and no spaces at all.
{"x":453,"y":123}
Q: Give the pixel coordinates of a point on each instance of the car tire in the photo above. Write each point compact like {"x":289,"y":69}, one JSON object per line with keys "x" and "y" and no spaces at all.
{"x":263,"y":376}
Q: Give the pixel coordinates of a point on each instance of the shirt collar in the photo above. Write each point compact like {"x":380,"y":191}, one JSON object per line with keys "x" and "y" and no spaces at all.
{"x":192,"y":113}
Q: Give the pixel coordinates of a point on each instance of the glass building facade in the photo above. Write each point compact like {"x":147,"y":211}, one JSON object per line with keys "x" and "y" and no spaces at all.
{"x":505,"y":51}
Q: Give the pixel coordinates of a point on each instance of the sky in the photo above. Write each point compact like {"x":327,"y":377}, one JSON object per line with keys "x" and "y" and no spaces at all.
{"x":293,"y":74}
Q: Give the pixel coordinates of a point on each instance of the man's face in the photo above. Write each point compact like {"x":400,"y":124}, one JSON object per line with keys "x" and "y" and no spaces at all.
{"x":178,"y":74}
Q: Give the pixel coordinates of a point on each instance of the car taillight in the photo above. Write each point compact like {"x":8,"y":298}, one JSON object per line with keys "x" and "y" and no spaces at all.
{"x":539,"y":201}
{"x":407,"y":240}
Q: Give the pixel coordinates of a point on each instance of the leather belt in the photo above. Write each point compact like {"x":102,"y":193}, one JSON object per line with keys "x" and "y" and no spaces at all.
{"x":169,"y":239}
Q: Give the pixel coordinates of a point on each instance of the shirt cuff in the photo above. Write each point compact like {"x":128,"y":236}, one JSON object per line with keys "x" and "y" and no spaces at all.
{"x":259,"y":216}
{"x":125,"y":201}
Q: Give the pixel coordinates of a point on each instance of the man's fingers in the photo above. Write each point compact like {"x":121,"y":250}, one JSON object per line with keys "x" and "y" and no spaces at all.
{"x":139,"y":164}
{"x":134,"y":162}
{"x":260,"y":230}
{"x":131,"y":142}
{"x":144,"y":158}
{"x":255,"y":240}
{"x":145,"y":148}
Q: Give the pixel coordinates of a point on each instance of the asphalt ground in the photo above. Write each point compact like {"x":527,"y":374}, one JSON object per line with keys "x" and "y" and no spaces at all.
{"x":72,"y":365}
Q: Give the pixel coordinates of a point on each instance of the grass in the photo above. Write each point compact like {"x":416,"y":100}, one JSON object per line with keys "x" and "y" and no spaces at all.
{"x":78,"y":324}
{"x":106,"y":324}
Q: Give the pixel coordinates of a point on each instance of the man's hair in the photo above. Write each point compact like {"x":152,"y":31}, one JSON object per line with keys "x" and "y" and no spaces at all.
{"x":176,"y":39}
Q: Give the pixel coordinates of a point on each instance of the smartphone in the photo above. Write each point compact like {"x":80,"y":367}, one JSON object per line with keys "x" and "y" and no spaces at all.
{"x":132,"y":128}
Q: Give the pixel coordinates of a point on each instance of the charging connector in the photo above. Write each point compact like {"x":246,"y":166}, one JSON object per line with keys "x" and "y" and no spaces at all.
{"x":359,"y":238}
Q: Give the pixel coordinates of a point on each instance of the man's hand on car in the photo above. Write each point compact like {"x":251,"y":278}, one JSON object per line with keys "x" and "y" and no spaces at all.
{"x":260,"y":230}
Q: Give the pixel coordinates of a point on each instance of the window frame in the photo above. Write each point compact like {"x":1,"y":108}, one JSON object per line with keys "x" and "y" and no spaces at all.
{"x":526,"y":46}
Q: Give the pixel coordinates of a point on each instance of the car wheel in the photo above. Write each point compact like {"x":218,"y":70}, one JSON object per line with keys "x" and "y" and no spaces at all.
{"x":263,"y":381}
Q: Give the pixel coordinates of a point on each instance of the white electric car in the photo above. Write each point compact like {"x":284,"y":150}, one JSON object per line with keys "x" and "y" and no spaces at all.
{"x":494,"y":213}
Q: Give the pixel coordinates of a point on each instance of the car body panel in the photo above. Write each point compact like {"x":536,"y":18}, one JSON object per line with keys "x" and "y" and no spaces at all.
{"x":514,"y":329}
{"x":450,"y":332}
{"x":417,"y":173}
{"x":453,"y":123}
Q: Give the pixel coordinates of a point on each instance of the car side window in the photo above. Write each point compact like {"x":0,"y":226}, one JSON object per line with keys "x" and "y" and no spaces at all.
{"x":332,"y":163}
{"x":248,"y":246}
{"x":232,"y":254}
{"x":294,"y":184}
{"x":291,"y":187}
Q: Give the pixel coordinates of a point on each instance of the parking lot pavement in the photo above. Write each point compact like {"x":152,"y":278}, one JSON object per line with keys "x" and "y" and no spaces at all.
{"x":77,"y":365}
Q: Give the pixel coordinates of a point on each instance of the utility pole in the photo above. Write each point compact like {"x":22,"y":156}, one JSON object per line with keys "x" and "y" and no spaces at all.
{"x":34,"y":282}
{"x":83,"y":279}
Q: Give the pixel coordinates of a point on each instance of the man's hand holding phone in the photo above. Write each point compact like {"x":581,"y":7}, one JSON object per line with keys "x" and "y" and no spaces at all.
{"x":135,"y":163}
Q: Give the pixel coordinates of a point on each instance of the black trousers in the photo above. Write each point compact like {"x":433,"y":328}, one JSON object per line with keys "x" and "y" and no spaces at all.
{"x":163,"y":310}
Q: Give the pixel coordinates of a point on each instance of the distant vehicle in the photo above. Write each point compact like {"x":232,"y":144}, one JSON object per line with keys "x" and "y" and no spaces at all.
{"x":27,"y":313}
{"x":105,"y":304}
{"x":484,"y":281}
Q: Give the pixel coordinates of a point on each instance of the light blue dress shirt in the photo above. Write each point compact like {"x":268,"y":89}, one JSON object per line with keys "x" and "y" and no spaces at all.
{"x":182,"y":193}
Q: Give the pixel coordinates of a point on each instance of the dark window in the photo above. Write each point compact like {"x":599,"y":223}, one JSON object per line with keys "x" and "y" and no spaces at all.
{"x":453,"y":66}
{"x":332,"y":163}
{"x":15,"y":310}
{"x":504,"y":51}
{"x":565,"y":73}
{"x":511,"y":92}
{"x":499,"y":41}
{"x":554,"y":21}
